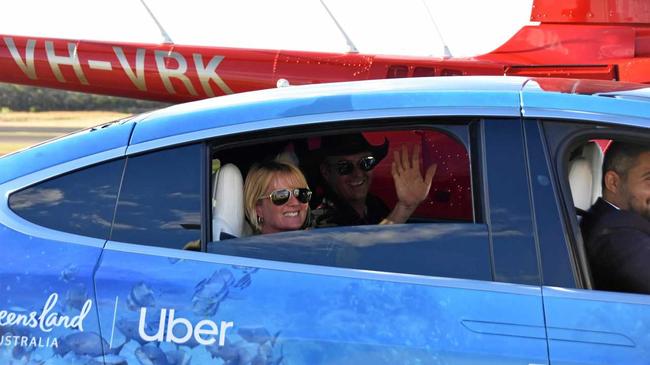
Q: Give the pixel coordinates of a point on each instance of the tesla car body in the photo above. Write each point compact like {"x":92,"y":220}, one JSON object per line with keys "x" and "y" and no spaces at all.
{"x":127,"y":243}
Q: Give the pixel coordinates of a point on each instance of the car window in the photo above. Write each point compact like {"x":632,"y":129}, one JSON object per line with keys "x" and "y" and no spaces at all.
{"x":81,"y":202}
{"x":610,"y":186}
{"x":609,"y":243}
{"x":450,"y":197}
{"x":441,"y":237}
{"x":160,"y":200}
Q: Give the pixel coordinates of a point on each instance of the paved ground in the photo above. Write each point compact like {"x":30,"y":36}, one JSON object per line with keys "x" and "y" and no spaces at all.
{"x":19,"y":130}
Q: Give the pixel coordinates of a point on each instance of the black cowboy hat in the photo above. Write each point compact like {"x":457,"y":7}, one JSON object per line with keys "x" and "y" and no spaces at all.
{"x":349,"y":144}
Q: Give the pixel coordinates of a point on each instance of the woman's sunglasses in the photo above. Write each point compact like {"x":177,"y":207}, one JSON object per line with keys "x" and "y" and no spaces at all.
{"x":345,"y":167}
{"x":282,"y":196}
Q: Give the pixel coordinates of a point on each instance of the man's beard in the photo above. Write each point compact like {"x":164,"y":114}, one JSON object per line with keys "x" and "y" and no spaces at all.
{"x":642,"y":210}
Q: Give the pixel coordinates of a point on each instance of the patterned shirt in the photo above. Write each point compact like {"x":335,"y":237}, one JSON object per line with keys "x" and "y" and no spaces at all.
{"x":332,"y":212}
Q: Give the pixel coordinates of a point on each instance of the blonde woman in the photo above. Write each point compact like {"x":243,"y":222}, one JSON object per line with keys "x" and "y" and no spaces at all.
{"x":276,"y":197}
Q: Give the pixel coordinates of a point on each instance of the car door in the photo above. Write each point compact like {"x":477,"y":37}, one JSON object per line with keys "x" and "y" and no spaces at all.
{"x":584,"y":326}
{"x":593,"y":326}
{"x":431,"y":292}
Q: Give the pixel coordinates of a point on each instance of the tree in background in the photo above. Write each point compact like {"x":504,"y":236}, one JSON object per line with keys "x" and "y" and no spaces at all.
{"x":28,"y":98}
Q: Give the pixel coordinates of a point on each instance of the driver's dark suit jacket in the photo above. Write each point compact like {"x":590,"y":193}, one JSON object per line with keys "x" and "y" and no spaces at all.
{"x":618,"y":248}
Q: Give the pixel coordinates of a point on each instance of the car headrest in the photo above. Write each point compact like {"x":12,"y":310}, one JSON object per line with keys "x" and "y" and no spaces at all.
{"x":227,"y":203}
{"x":585,"y":173}
{"x":581,"y":181}
{"x":594,"y":154}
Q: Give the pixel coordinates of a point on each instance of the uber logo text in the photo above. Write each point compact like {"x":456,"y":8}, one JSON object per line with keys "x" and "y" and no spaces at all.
{"x":205,"y":332}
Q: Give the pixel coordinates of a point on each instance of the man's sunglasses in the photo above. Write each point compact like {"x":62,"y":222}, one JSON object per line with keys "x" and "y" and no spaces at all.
{"x":282,"y":196}
{"x":345,"y":167}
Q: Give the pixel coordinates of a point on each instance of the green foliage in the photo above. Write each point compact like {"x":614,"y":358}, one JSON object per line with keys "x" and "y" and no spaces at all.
{"x":28,"y":98}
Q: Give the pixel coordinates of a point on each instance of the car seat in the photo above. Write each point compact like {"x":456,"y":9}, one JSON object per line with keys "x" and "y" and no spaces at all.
{"x":228,"y":220}
{"x":585,"y":174}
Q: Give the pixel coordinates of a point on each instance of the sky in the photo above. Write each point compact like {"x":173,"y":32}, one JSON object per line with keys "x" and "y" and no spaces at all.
{"x":397,"y":27}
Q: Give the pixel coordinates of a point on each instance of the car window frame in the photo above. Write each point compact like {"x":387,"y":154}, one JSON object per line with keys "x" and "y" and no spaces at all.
{"x":12,"y":220}
{"x":367,"y":125}
{"x":444,"y":124}
{"x":503,"y":106}
{"x":118,"y":175}
{"x":562,"y":138}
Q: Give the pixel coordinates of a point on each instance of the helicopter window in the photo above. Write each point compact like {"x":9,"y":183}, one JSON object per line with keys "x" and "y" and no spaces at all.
{"x":424,"y":72}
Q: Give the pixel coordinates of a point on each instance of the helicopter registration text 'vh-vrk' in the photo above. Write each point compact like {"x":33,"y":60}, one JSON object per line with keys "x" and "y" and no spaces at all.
{"x":594,"y":39}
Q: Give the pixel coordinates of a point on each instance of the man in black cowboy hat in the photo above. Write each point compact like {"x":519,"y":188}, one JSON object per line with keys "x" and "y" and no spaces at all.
{"x":346,"y":163}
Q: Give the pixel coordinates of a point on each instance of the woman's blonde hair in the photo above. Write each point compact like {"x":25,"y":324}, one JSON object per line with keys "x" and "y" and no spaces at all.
{"x":258,"y":180}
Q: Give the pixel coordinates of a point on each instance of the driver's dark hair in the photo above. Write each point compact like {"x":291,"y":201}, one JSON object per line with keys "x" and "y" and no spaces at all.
{"x":621,"y":157}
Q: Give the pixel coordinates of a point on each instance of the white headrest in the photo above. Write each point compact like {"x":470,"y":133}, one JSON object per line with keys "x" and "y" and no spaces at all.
{"x":227,"y":202}
{"x":585,"y":173}
{"x":594,"y":154}
{"x":581,"y":181}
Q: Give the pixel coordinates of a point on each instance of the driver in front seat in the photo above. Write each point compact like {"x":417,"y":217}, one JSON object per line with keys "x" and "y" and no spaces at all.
{"x":616,"y":230}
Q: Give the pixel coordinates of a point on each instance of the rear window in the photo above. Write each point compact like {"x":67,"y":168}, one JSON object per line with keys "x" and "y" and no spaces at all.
{"x":81,"y":202}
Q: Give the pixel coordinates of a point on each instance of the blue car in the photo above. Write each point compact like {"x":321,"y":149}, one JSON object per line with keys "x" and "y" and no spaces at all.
{"x":127,"y":243}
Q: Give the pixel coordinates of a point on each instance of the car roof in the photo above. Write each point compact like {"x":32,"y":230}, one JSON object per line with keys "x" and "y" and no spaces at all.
{"x":478,"y":93}
{"x":512,"y":95}
{"x":610,"y":102}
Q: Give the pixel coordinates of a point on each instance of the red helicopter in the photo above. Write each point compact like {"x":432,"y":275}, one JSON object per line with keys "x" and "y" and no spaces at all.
{"x":588,"y":39}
